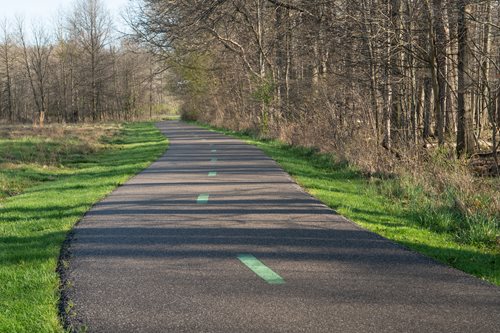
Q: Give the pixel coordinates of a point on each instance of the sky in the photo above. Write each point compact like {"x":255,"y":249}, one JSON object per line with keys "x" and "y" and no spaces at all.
{"x":46,"y":10}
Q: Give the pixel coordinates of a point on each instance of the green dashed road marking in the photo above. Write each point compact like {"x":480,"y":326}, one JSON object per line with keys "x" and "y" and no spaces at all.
{"x":214,"y":159}
{"x":212,"y":174}
{"x":260,"y":269}
{"x":202,"y":199}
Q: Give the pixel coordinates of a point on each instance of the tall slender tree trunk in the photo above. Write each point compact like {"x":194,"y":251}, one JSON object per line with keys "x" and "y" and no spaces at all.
{"x":280,"y":60}
{"x":465,"y":139}
{"x":372,"y":65}
{"x":427,"y":92}
{"x":438,"y":65}
{"x":8,"y":78}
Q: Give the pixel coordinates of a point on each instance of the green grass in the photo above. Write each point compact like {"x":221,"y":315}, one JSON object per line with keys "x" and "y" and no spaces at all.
{"x":34,"y":224}
{"x":368,"y":204}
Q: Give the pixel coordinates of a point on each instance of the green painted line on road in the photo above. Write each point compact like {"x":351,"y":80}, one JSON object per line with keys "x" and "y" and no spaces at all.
{"x":260,"y":269}
{"x":212,"y":174}
{"x":214,"y":159}
{"x":202,"y":199}
{"x":214,"y":150}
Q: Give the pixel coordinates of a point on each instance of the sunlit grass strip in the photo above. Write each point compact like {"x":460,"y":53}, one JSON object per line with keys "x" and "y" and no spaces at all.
{"x":34,"y":224}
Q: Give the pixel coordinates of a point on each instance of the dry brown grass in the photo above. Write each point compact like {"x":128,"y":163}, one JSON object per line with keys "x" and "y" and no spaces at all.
{"x":46,"y":146}
{"x":434,"y":171}
{"x":83,"y":132}
{"x":30,"y":155}
{"x":438,"y":171}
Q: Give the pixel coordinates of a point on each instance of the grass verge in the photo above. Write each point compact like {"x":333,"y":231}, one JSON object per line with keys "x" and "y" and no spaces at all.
{"x":34,"y":223}
{"x":368,"y":203}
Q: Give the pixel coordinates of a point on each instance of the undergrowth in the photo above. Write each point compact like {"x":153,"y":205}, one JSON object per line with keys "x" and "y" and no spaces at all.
{"x":446,"y":197}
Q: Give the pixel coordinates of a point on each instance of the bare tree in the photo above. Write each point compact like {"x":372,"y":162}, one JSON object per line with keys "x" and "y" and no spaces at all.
{"x":6,"y":88}
{"x":465,"y":141}
{"x":78,"y":72}
{"x":36,"y":63}
{"x":90,"y":28}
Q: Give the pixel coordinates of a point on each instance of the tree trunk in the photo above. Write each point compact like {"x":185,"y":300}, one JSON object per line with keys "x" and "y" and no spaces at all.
{"x":427,"y":108}
{"x":438,"y":67}
{"x":465,"y":140}
{"x":281,"y":60}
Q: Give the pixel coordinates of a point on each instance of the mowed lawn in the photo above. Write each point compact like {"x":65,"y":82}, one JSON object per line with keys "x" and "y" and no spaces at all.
{"x":48,"y":179}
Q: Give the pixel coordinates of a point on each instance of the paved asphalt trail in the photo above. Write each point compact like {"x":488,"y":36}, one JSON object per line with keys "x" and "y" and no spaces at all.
{"x":150,"y":258}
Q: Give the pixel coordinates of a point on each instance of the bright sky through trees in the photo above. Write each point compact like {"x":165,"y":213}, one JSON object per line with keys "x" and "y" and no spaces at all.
{"x":46,"y":10}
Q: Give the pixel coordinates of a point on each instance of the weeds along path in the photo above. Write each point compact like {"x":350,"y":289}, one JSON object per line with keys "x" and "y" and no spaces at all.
{"x":50,"y":200}
{"x":216,"y":237}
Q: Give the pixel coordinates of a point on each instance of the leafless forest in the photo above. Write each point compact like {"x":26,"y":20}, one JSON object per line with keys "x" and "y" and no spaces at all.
{"x":77,"y":71}
{"x":369,"y":79}
{"x":374,"y":81}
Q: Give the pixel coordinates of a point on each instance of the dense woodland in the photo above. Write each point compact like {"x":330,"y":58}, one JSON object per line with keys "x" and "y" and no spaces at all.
{"x":78,"y":71}
{"x":385,"y":78}
{"x":356,"y":76}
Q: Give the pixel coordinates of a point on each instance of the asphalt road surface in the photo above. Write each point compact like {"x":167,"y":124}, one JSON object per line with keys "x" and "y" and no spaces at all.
{"x":215,"y":237}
